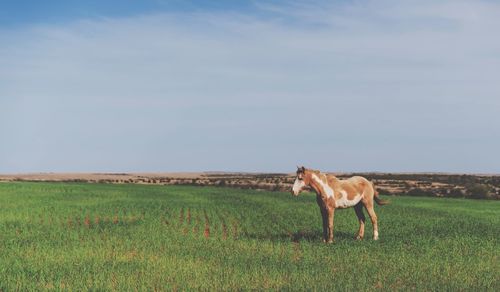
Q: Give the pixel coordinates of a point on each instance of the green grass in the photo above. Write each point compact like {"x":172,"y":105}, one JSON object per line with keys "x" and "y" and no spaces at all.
{"x":139,"y":237}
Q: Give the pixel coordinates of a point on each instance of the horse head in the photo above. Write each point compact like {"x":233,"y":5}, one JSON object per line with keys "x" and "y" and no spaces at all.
{"x":301,"y":181}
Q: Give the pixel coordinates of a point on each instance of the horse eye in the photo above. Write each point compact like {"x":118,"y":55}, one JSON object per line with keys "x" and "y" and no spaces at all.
{"x":299,"y":178}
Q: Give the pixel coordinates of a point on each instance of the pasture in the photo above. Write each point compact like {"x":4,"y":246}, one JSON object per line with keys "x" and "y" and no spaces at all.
{"x":76,"y":236}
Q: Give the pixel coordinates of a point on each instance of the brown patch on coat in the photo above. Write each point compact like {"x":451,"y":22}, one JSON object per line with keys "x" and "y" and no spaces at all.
{"x":351,"y":191}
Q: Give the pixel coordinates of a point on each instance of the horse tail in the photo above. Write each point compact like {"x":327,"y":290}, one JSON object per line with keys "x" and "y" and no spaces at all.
{"x":377,"y":199}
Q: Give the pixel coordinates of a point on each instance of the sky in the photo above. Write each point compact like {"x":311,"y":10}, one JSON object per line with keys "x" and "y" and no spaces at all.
{"x":257,"y":86}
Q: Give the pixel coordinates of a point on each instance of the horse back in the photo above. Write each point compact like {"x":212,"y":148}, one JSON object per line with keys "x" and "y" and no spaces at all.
{"x":357,"y":183}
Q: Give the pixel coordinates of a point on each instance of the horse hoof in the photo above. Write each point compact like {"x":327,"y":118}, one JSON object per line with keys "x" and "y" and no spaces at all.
{"x":359,"y":238}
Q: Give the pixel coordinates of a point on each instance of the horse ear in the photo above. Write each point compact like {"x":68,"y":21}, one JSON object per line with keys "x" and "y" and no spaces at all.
{"x":302,"y":169}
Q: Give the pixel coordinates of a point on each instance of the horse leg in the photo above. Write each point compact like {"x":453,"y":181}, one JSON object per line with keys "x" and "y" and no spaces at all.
{"x":331,"y":213}
{"x":373,"y":218}
{"x":361,"y":217}
{"x":324,"y":216}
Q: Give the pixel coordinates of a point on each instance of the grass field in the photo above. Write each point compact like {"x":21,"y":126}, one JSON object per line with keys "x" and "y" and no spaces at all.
{"x":126,"y":237}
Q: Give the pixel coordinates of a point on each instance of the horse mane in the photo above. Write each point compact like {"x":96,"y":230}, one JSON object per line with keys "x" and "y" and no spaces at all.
{"x":315,"y":171}
{"x":328,"y":177}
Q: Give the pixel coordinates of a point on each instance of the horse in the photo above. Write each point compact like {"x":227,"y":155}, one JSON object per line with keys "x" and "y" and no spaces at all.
{"x":333,"y":193}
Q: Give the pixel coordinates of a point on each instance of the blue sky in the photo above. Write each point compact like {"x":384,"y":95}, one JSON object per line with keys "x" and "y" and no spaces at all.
{"x":115,"y":86}
{"x":22,"y":12}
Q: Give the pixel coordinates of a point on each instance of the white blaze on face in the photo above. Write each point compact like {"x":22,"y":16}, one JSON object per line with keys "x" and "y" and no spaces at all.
{"x":344,"y":202}
{"x":298,"y":185}
{"x":326,"y":188}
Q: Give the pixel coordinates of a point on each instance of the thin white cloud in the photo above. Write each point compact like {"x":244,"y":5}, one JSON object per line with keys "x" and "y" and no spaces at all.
{"x":369,"y":85}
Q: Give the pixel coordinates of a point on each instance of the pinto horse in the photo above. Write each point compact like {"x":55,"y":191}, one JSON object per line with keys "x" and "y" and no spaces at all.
{"x":333,"y":193}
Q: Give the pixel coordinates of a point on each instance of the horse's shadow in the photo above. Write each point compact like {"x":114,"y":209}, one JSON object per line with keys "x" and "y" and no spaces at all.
{"x":307,"y":235}
{"x":314,"y":236}
{"x":301,"y":235}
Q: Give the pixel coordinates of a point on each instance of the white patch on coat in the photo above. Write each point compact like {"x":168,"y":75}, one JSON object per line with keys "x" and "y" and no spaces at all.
{"x":344,"y":202}
{"x":375,"y":235}
{"x":327,"y":188}
{"x":298,"y":185}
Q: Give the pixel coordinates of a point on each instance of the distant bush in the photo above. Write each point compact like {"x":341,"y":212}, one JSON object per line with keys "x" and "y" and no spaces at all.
{"x":385,"y":192}
{"x":418,"y":192}
{"x":480,"y":191}
{"x":456,"y":193}
{"x":277,"y":187}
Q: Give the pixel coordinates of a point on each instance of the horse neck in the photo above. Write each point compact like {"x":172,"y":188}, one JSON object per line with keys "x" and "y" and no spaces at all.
{"x":317,"y":187}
